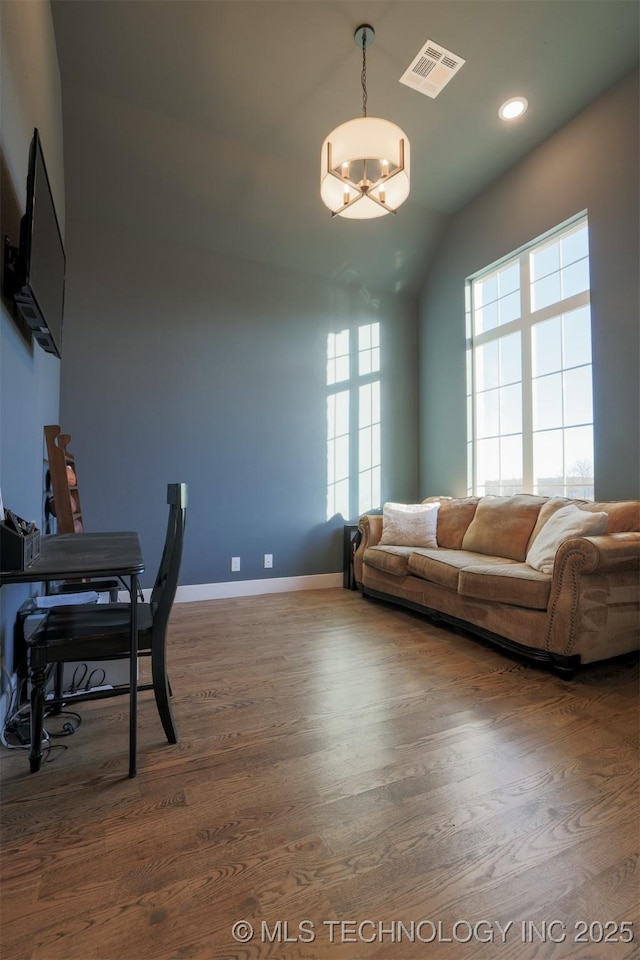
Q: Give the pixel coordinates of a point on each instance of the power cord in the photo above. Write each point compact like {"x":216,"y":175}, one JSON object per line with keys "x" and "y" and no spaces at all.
{"x":16,"y":733}
{"x":15,"y":727}
{"x":91,"y":683}
{"x":16,"y":717}
{"x":68,"y":727}
{"x":82,"y":676}
{"x":17,"y":722}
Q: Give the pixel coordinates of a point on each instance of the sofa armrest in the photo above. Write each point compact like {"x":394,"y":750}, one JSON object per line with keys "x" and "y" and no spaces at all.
{"x":603,"y":554}
{"x":370,"y":527}
{"x":594,"y":607}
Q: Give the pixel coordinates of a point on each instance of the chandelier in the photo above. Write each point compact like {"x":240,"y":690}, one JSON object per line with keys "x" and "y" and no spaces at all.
{"x":365,"y":162}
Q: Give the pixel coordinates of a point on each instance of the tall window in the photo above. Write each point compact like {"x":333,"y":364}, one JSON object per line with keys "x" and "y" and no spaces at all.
{"x":529,"y":395}
{"x":353,"y":421}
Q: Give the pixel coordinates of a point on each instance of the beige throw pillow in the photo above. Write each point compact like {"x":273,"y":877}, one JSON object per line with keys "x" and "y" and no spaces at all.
{"x":569,"y":521}
{"x":409,"y":524}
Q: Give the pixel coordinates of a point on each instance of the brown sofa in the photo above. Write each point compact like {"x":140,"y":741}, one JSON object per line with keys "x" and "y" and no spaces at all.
{"x":587,"y":609}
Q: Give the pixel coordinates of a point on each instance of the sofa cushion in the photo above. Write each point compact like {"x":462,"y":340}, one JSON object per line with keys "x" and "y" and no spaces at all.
{"x":502,"y":526}
{"x":389,"y":559}
{"x":566,"y":523}
{"x":515,"y":583}
{"x":547,"y":510}
{"x":454,"y":517}
{"x":624,"y":515}
{"x":410,"y":524}
{"x":443,"y":566}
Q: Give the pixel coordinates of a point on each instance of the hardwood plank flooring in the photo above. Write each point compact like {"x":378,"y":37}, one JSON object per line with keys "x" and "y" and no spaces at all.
{"x":352,"y":781}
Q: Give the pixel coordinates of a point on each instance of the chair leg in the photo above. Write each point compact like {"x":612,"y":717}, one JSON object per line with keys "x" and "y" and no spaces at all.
{"x":161,"y":689}
{"x":37,"y":717}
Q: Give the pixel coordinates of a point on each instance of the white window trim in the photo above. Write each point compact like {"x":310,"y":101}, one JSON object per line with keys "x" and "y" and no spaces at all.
{"x":524,"y":324}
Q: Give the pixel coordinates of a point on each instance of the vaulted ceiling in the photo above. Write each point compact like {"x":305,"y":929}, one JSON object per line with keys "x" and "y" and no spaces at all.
{"x":204,"y":120}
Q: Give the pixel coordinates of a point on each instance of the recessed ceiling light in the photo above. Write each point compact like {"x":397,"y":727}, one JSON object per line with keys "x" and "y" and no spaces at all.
{"x":513,"y":108}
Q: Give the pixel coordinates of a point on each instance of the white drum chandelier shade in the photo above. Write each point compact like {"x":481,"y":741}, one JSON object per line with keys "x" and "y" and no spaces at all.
{"x":365,"y":162}
{"x":365,"y":169}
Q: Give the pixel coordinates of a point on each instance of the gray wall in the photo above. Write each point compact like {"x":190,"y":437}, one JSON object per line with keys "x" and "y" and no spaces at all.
{"x":181,"y":365}
{"x":592,"y":164}
{"x":29,"y":378}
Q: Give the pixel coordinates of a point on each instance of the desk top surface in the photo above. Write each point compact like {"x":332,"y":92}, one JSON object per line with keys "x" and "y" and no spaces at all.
{"x":77,"y":555}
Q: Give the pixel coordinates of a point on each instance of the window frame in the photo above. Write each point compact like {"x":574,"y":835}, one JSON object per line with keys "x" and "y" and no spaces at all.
{"x":524,"y":326}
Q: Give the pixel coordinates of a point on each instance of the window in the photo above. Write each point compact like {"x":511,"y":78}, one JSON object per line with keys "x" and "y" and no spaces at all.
{"x":338,"y":424}
{"x":353,"y":421}
{"x":529,"y":393}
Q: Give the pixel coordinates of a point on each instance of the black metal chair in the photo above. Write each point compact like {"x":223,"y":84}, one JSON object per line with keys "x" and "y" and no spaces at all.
{"x":101,"y":632}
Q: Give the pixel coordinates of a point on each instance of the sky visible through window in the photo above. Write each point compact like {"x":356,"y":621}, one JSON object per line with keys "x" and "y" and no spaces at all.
{"x":530,"y":406}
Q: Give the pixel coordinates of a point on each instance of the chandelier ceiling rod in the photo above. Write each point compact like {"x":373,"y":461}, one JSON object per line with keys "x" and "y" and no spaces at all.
{"x":363,"y":75}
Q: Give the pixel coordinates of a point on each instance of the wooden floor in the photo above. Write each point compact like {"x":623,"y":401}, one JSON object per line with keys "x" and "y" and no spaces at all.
{"x":347,"y":775}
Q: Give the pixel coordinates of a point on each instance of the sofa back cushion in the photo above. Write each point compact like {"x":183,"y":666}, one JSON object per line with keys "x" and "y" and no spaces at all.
{"x":566,"y":523}
{"x":454,"y":517}
{"x":547,"y":510}
{"x":502,"y":526}
{"x":624,"y":515}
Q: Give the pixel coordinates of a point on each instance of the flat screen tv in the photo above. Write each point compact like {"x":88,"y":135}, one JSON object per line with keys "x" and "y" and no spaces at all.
{"x":39,"y":267}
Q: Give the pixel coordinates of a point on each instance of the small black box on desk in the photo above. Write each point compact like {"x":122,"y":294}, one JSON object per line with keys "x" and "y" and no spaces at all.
{"x":17,"y":550}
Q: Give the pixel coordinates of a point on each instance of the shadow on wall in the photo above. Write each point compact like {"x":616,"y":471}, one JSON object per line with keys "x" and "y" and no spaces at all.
{"x":320,"y":549}
{"x":10,"y":217}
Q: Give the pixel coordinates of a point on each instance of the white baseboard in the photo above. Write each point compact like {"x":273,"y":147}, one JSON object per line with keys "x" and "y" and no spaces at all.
{"x":250,"y":588}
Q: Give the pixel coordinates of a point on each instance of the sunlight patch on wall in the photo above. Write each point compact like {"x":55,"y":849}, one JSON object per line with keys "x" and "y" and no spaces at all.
{"x":354,"y":453}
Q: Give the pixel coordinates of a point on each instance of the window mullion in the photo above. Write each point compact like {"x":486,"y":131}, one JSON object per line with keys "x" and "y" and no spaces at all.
{"x":496,"y":333}
{"x":527,"y":382}
{"x":471,"y":390}
{"x":562,"y":306}
{"x":354,"y":415}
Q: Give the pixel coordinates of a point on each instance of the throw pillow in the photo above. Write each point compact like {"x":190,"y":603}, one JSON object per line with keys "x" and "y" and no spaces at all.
{"x":569,"y":521}
{"x":409,"y":524}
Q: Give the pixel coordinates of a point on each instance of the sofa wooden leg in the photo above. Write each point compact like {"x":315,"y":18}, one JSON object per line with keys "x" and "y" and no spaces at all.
{"x":565,"y":667}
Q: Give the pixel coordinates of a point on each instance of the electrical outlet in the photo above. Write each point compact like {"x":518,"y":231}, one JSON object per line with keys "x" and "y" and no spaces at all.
{"x":268,"y":561}
{"x":235,"y":564}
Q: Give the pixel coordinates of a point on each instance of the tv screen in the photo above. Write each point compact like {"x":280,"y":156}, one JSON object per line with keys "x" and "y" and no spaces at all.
{"x":39,"y":291}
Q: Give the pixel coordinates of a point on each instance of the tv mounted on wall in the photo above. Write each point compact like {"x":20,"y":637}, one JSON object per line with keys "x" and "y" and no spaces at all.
{"x":35,"y":271}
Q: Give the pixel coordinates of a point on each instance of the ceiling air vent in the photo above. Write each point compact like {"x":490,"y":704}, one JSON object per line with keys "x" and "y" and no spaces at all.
{"x":431,"y":69}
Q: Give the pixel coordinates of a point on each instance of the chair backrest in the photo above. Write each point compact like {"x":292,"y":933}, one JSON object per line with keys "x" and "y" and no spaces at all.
{"x":164,"y":589}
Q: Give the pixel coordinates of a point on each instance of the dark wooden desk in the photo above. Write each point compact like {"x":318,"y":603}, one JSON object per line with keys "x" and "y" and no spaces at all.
{"x":74,"y":556}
